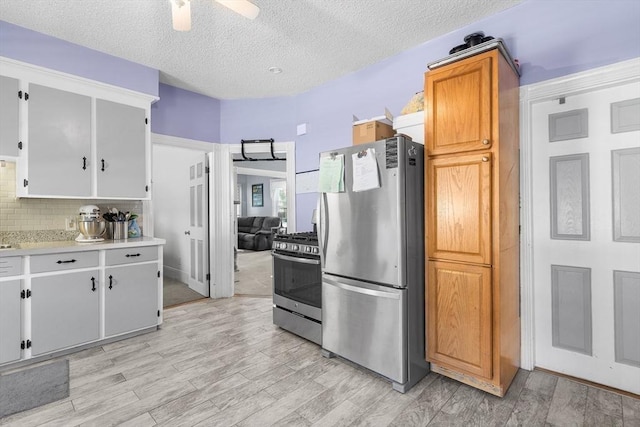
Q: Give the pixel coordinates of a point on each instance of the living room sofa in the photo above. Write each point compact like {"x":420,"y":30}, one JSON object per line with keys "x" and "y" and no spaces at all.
{"x":256,"y":232}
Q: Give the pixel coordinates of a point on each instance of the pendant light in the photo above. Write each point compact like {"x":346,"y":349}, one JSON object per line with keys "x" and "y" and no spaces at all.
{"x":181,"y":14}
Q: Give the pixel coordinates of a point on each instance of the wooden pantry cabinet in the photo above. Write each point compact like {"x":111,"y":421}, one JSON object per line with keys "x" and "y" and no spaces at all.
{"x":472,"y":215}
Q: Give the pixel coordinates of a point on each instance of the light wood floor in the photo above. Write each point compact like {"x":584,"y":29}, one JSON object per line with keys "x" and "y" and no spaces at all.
{"x":254,"y":275}
{"x":223,"y":363}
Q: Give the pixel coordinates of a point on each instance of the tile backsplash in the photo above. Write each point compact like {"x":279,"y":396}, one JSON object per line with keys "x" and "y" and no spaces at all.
{"x":22,"y":217}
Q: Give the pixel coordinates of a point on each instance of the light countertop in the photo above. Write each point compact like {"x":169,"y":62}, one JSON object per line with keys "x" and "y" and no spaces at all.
{"x":38,"y":248}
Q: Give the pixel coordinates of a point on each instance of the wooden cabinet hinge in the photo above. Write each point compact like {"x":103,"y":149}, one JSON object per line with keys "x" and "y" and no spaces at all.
{"x":25,"y":182}
{"x":158,"y":273}
{"x":158,"y":313}
{"x":146,"y":188}
{"x":19,"y":145}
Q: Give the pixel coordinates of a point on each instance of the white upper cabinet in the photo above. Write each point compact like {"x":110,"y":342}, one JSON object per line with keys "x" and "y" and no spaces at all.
{"x":80,"y":138}
{"x":59,"y":142}
{"x":120,"y":144}
{"x":9,"y":116}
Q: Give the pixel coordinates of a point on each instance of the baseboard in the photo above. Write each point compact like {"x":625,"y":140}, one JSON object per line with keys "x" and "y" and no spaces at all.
{"x":176,"y":274}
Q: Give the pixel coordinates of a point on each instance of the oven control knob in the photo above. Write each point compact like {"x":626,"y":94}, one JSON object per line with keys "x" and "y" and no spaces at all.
{"x":295,"y":247}
{"x":316,"y":250}
{"x":283,"y":246}
{"x":307,"y":249}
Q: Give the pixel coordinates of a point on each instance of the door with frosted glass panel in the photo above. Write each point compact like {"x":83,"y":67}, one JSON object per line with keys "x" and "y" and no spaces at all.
{"x":586,"y":235}
{"x":198,"y":230}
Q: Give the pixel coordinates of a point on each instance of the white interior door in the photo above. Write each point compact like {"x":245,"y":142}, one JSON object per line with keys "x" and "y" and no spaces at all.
{"x":586,"y":235}
{"x":197,"y":232}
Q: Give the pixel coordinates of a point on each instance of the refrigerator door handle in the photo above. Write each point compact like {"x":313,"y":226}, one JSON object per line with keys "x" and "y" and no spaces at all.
{"x":393,"y":294}
{"x":324,"y":227}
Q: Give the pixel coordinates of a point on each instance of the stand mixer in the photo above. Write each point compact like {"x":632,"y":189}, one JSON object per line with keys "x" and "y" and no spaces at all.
{"x":91,"y":226}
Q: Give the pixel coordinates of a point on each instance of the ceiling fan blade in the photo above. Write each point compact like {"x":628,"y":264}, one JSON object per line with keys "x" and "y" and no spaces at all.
{"x":181,"y":14}
{"x":243,"y":7}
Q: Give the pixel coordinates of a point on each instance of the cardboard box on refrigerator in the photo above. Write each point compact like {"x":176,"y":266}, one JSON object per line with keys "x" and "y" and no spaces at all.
{"x":373,"y":129}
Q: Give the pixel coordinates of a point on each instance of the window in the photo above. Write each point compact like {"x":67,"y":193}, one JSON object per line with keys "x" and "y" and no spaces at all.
{"x":279,"y":200}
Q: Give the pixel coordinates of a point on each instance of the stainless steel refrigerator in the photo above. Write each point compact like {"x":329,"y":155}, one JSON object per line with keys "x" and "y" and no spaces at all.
{"x":372,"y":257}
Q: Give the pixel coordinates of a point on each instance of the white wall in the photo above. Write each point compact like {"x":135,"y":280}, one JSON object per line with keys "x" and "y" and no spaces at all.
{"x":171,"y":205}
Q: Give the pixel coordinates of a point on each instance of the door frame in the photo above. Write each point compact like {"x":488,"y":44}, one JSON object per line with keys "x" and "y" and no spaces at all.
{"x":594,"y":79}
{"x":221,"y":207}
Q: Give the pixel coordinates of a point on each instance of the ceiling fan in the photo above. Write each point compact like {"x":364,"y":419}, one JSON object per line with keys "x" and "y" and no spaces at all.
{"x":181,"y":11}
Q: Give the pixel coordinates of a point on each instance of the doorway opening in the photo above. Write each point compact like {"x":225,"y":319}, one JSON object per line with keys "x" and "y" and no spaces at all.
{"x":253,"y":267}
{"x":180,"y":216}
{"x":222,"y":236}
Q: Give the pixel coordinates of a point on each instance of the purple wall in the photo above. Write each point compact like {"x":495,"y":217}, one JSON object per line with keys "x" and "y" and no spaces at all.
{"x":186,"y":114}
{"x":39,"y":49}
{"x":257,"y":119}
{"x":549,"y":38}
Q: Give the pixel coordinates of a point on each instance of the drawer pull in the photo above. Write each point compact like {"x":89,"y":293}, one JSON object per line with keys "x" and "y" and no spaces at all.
{"x":110,"y":282}
{"x":131,"y":255}
{"x":93,"y":284}
{"x":68,"y":261}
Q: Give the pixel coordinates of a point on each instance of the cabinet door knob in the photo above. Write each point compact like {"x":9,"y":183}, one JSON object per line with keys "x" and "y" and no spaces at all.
{"x":188,"y":233}
{"x":93,"y":284}
{"x":485,"y":142}
{"x":485,"y":158}
{"x":102,"y":160}
{"x":84,"y":163}
{"x":110,"y":282}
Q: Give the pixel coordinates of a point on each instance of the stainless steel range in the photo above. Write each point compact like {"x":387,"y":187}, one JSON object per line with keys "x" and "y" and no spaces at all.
{"x":297,"y":285}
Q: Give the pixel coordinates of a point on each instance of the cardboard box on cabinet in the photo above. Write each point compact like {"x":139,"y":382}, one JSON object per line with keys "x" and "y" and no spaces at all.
{"x":373,"y":129}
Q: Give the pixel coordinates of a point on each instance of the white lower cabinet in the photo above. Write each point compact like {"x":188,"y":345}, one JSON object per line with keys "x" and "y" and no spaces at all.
{"x":10,"y":321}
{"x":131,"y":298}
{"x":68,"y":300}
{"x":65,"y":310}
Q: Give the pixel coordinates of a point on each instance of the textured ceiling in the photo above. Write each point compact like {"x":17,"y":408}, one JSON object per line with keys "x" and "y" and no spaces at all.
{"x":226,"y":56}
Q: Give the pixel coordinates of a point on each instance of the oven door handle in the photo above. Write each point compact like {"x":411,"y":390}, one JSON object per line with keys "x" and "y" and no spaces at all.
{"x":296,"y":259}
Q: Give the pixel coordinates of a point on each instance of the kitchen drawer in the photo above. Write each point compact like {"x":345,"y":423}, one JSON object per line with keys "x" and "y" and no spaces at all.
{"x":10,"y":266}
{"x":131,"y":255}
{"x":63,"y":261}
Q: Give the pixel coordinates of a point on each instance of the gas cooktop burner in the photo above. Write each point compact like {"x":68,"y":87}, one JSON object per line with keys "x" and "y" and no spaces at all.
{"x":309,"y":236}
